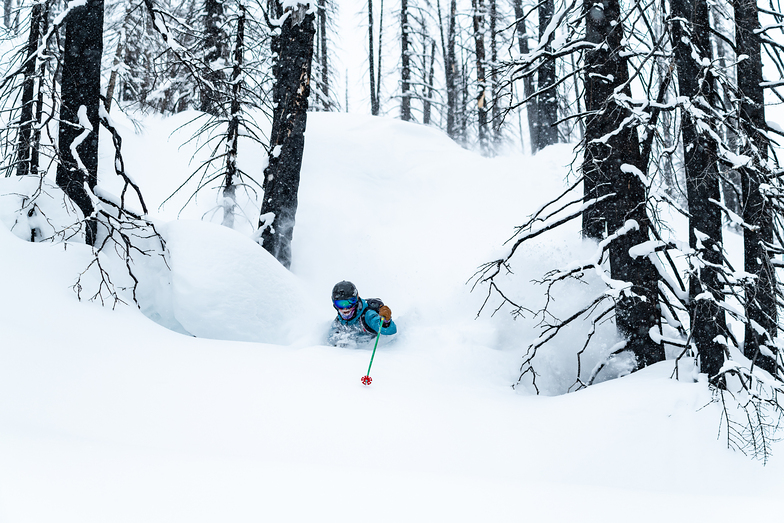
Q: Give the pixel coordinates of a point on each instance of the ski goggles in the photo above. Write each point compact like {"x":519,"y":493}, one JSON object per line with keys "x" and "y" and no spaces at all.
{"x":345,"y":304}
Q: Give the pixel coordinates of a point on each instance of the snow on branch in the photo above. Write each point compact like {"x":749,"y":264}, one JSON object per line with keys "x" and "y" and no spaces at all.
{"x":752,"y":410}
{"x":489,"y":270}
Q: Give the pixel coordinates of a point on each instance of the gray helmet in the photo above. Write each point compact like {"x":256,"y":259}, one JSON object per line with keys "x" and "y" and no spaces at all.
{"x":344,"y":290}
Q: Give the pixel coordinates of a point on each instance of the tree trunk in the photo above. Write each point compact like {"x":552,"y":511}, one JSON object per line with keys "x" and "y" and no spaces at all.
{"x":761,"y":306}
{"x":405,"y":64}
{"x":216,"y":56}
{"x":702,"y":183}
{"x":450,"y":70}
{"x":113,"y":76}
{"x":27,"y":145}
{"x":494,"y":94}
{"x":380,"y":46}
{"x":293,"y":47}
{"x":465,"y":96}
{"x":324,"y":53}
{"x":39,"y":104}
{"x":547,"y":103}
{"x":664,"y":73}
{"x":531,"y":108}
{"x":481,"y":81}
{"x":374,"y":106}
{"x":730,"y":178}
{"x":429,"y":89}
{"x":229,"y":185}
{"x":611,"y":154}
{"x":80,"y":92}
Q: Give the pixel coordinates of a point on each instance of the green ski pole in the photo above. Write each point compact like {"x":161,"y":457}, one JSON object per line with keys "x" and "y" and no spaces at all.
{"x":367,"y":380}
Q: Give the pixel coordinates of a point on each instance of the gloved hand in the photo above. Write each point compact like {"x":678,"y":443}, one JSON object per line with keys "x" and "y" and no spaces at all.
{"x":385,"y":313}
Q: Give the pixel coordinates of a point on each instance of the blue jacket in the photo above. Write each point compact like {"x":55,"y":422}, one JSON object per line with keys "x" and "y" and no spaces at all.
{"x":365,"y":324}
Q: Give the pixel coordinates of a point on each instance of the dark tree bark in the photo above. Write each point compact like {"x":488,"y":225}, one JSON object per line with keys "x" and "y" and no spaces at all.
{"x":380,"y":54}
{"x":28,"y":143}
{"x":405,"y":64}
{"x":532,"y":111}
{"x":494,"y":94}
{"x":8,"y":6}
{"x":113,"y":76}
{"x":702,"y":182}
{"x":291,"y":70}
{"x":118,"y":58}
{"x":610,"y":150}
{"x":761,"y":293}
{"x":229,"y":185}
{"x":730,"y":177}
{"x":450,"y":69}
{"x":546,"y":103}
{"x":374,"y":104}
{"x":465,"y":96}
{"x":324,"y":54}
{"x":481,"y":80}
{"x":426,"y":106}
{"x":217,"y":53}
{"x":80,"y":92}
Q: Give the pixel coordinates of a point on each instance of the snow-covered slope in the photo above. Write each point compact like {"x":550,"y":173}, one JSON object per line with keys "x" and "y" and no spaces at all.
{"x":106,"y":416}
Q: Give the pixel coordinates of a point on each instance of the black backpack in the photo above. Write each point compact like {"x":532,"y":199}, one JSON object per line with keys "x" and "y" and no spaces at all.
{"x":373,"y":304}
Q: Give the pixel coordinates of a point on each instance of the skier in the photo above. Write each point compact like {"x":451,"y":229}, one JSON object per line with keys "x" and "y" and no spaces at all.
{"x":358,"y":320}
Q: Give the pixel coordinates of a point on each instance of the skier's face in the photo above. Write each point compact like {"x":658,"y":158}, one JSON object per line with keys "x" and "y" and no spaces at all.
{"x":347,"y":307}
{"x":347,"y":314}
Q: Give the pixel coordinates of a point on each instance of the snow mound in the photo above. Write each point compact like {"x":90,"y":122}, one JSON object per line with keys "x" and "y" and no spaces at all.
{"x":33,"y":208}
{"x":225,"y":286}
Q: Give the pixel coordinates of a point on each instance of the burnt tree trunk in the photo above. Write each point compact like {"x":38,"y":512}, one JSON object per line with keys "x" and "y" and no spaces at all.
{"x":612,"y":153}
{"x":495,"y":95}
{"x":465,"y":96}
{"x":80,"y":93}
{"x":481,"y":80}
{"x":405,"y":64}
{"x":761,"y":308}
{"x":27,"y":143}
{"x":324,"y":57}
{"x":293,"y":47}
{"x":374,"y":104}
{"x":118,"y":58}
{"x":429,"y":87}
{"x":547,"y":102}
{"x":691,"y":35}
{"x":229,"y":186}
{"x":216,"y":55}
{"x":528,"y":88}
{"x":450,"y":71}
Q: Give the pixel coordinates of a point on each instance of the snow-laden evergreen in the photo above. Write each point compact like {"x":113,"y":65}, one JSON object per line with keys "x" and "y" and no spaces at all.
{"x":106,"y":415}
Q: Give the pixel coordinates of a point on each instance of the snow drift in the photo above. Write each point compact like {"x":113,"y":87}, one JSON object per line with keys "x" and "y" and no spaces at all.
{"x":107,"y":416}
{"x":225,"y":286}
